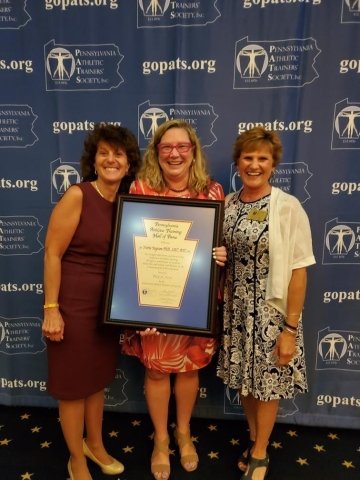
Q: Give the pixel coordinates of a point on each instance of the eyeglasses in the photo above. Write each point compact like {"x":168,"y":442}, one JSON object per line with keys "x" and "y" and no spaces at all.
{"x":167,"y":148}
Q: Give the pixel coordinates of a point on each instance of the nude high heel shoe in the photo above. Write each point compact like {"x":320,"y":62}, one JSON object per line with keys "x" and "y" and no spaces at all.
{"x":113,"y":468}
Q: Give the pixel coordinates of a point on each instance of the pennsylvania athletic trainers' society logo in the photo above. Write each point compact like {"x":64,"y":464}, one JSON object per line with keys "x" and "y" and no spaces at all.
{"x":200,"y":116}
{"x":150,"y":120}
{"x":167,"y":13}
{"x":338,"y":350}
{"x":153,"y":8}
{"x":82,"y":67}
{"x":60,"y":64}
{"x":275,"y":63}
{"x":332,"y":347}
{"x":346,"y":128}
{"x":341,"y":242}
{"x":63,"y":175}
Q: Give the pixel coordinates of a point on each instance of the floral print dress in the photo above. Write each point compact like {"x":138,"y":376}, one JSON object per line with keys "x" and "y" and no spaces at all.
{"x":251,"y":326}
{"x":171,"y":353}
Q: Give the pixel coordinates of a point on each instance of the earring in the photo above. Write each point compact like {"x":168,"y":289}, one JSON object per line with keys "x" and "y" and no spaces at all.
{"x":95,"y":171}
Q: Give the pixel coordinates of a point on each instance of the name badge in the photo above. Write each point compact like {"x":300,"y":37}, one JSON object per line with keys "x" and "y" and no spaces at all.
{"x":258,"y":215}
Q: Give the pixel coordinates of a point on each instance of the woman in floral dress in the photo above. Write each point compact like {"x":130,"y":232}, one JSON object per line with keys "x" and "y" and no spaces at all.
{"x":268,"y":241}
{"x":173,"y":166}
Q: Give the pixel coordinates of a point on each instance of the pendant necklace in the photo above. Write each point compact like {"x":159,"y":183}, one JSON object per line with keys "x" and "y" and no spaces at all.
{"x":98,"y":189}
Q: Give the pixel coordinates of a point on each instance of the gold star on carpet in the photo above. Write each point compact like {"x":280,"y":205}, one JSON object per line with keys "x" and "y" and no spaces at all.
{"x":113,"y":434}
{"x":6,"y":441}
{"x":195,"y":439}
{"x":234,"y":441}
{"x":136,"y":423}
{"x":347,"y":464}
{"x":319,"y":448}
{"x":128,"y":449}
{"x":45,"y":444}
{"x":276,"y":445}
{"x":171,"y":452}
{"x":333,"y":436}
{"x":292,"y":433}
{"x":302,"y":461}
{"x":358,"y":449}
{"x":25,"y":416}
{"x":26,"y":476}
{"x":212,"y":428}
{"x":213,"y":455}
{"x":36,"y":429}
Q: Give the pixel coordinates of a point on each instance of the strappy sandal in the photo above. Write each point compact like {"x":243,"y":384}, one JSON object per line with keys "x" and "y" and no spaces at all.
{"x":183,"y":439}
{"x":244,"y":457}
{"x":255,"y":463}
{"x":159,"y":469}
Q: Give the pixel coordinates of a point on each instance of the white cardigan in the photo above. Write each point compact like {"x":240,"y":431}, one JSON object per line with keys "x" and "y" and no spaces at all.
{"x":290,"y":245}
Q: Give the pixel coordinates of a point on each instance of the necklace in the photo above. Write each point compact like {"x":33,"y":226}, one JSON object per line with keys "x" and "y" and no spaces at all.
{"x":177,"y":190}
{"x":98,"y":189}
{"x":249,"y":198}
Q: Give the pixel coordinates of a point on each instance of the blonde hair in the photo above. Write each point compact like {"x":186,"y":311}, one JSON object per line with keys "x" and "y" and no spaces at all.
{"x":151,"y":172}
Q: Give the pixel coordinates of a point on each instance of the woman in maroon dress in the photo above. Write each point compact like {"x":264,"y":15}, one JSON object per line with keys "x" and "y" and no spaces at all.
{"x":81,"y":355}
{"x":174,"y":166}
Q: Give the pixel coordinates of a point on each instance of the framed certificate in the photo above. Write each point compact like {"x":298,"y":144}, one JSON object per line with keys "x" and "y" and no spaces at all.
{"x":161,"y":270}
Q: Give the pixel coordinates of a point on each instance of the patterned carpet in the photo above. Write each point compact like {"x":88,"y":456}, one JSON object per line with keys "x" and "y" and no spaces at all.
{"x":32,"y":448}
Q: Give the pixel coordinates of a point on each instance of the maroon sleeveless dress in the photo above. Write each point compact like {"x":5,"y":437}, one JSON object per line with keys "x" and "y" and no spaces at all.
{"x":84,"y":362}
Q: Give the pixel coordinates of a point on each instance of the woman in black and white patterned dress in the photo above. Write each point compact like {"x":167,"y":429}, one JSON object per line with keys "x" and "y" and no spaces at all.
{"x":268,"y":240}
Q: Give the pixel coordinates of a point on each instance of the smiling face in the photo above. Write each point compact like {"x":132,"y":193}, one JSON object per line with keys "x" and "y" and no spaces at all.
{"x":175,"y":165}
{"x":111,"y":163}
{"x":255,"y":168}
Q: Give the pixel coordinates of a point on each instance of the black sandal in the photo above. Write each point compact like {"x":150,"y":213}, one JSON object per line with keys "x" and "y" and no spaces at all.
{"x":255,"y":463}
{"x":244,"y":457}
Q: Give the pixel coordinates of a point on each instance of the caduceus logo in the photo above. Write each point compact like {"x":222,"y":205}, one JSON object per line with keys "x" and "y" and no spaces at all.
{"x":60,"y":64}
{"x":252,"y":61}
{"x":332,"y":347}
{"x":63,"y":177}
{"x":340,"y":240}
{"x":154,"y":8}
{"x":347,"y":122}
{"x":150,"y":120}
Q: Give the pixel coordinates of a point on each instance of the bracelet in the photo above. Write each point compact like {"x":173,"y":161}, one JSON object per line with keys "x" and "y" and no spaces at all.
{"x":51,"y":305}
{"x":289,"y":330}
{"x":294,"y":329}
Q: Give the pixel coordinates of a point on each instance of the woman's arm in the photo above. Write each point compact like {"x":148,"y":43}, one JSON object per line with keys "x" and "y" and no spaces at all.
{"x":62,"y":226}
{"x":286,"y":342}
{"x":296,"y":296}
